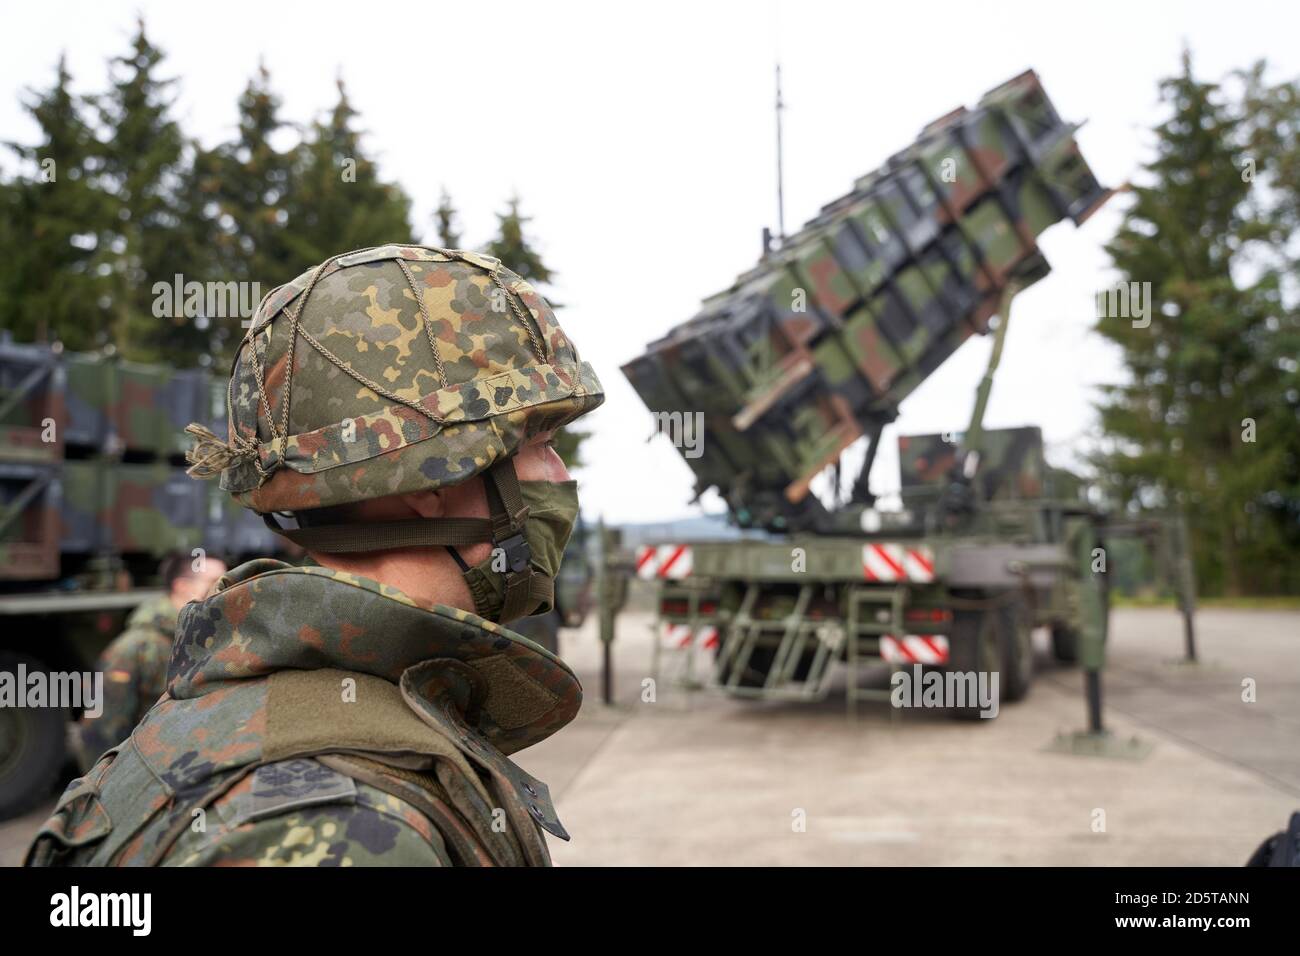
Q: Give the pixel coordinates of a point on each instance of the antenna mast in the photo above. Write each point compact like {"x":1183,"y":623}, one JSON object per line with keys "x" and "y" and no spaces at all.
{"x":780,"y":174}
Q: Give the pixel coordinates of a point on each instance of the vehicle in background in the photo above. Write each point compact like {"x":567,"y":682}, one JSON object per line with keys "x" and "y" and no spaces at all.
{"x":93,"y":493}
{"x":814,"y":349}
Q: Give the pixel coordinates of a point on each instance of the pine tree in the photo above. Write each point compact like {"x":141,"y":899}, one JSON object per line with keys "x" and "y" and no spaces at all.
{"x":53,"y":227}
{"x":444,"y":220}
{"x":513,"y":248}
{"x":1272,"y":120}
{"x":1202,"y":368}
{"x":246,"y":185}
{"x":339,"y":201}
{"x":159,"y":231}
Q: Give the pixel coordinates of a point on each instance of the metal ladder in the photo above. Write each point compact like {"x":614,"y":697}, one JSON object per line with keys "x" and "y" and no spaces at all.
{"x":863,"y":622}
{"x":789,"y":637}
{"x":683,"y":674}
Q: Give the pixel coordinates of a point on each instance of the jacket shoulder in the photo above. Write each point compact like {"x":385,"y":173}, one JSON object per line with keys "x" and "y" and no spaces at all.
{"x":135,"y":645}
{"x":298,"y":812}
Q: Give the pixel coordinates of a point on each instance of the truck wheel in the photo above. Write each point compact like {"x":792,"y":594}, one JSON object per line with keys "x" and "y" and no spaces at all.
{"x":994,"y":639}
{"x":32,"y":747}
{"x":974,"y":647}
{"x":1017,"y":642}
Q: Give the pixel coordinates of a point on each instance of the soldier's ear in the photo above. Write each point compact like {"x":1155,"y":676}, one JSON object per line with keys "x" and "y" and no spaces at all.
{"x":426,"y":504}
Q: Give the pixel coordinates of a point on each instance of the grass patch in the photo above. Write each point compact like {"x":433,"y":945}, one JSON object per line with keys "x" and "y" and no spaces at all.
{"x":1281,"y":602}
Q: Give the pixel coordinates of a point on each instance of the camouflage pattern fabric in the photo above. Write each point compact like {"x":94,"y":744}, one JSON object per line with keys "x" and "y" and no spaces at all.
{"x":391,"y":370}
{"x":818,"y":344}
{"x":134,"y":666}
{"x":320,"y":718}
{"x":143,"y":506}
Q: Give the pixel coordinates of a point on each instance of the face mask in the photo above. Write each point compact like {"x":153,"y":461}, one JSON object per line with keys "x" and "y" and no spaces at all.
{"x":552,"y":513}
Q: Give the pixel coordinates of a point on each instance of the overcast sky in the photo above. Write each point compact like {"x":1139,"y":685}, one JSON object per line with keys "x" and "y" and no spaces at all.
{"x":641,"y":139}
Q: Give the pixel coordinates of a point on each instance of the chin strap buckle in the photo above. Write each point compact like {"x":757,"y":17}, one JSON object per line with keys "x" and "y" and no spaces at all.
{"x":517,"y":552}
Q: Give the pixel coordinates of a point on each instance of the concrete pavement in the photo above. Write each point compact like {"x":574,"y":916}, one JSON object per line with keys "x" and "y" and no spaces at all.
{"x":714,"y":781}
{"x":706,"y":780}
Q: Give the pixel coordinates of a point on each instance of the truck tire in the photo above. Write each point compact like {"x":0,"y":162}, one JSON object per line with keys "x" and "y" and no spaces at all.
{"x":32,"y":747}
{"x":993,"y":639}
{"x":1017,"y":642}
{"x":973,"y":647}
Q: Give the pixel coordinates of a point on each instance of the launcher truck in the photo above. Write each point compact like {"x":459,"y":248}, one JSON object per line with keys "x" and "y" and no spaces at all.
{"x":813,"y":350}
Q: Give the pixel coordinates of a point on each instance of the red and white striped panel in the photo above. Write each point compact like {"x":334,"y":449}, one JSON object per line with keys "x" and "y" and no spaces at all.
{"x":915,"y":649}
{"x":897,"y":562}
{"x":679,"y":637}
{"x":670,"y":561}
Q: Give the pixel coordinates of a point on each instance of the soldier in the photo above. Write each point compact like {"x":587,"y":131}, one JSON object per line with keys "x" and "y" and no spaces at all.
{"x":135,"y":664}
{"x":399,"y":403}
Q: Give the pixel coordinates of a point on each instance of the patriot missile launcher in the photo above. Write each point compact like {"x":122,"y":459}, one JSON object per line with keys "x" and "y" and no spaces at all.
{"x":813,"y":350}
{"x":818,"y":344}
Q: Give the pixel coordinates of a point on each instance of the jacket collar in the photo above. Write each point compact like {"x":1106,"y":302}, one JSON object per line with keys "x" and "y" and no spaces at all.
{"x":266,"y":616}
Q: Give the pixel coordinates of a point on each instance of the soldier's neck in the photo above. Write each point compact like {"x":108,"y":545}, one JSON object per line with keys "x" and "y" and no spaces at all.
{"x":428,"y":574}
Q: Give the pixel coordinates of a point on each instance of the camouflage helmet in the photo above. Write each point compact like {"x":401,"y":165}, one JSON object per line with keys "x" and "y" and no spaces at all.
{"x":390,"y":370}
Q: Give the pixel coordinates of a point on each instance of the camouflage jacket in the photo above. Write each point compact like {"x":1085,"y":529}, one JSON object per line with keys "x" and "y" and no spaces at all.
{"x":135,"y":675}
{"x":319,"y":718}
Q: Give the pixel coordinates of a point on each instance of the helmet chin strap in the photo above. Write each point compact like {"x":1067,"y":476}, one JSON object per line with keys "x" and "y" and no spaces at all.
{"x":460,"y":562}
{"x":504,"y":529}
